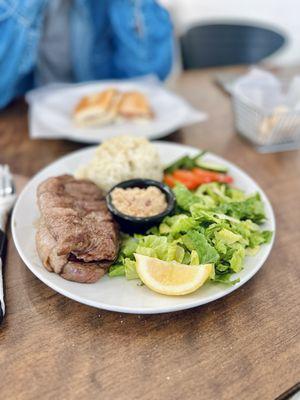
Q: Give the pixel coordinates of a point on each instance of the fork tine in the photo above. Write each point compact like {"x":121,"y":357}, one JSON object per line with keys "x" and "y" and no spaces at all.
{"x":1,"y":181}
{"x":6,"y":182}
{"x":9,"y":188}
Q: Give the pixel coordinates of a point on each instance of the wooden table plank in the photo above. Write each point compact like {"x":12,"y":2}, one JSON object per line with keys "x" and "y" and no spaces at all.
{"x":244,"y":346}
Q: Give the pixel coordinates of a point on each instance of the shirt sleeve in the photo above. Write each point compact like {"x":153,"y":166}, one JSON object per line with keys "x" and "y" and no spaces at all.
{"x":142,"y":38}
{"x":18,"y":44}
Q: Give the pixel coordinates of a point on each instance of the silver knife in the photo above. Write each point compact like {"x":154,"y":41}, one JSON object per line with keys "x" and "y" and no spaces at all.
{"x":7,"y":200}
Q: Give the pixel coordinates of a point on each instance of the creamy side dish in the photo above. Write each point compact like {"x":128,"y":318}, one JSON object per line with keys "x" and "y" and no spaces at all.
{"x":122,"y":158}
{"x":139,"y":202}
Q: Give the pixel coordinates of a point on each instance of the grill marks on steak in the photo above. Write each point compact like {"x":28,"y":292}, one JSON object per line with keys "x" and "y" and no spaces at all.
{"x":77,"y":237}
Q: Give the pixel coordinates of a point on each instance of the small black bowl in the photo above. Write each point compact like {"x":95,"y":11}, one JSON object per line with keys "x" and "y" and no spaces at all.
{"x":131,"y":224}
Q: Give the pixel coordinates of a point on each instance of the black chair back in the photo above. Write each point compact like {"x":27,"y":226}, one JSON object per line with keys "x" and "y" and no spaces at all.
{"x":227,"y":44}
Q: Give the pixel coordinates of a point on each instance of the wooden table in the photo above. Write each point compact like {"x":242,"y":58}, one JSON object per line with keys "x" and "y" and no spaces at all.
{"x":244,"y":346}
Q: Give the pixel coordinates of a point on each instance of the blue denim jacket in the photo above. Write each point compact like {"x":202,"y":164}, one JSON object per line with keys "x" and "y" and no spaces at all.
{"x":109,"y":39}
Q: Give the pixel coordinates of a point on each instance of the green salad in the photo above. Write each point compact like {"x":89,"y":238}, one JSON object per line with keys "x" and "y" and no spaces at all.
{"x":215,"y":223}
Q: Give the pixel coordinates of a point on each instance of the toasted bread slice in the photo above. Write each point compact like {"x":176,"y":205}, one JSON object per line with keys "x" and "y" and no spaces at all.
{"x":97,"y":109}
{"x":134,"y":105}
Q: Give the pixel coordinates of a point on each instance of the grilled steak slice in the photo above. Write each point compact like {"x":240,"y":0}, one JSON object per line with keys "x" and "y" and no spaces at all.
{"x":77,"y":237}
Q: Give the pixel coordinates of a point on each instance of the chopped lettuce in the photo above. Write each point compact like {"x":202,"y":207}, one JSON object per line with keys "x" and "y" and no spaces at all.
{"x":194,"y":258}
{"x":236,"y":261}
{"x":215,"y":224}
{"x":153,"y":246}
{"x":251,"y":208}
{"x":129,"y":245}
{"x":194,"y":240}
{"x":225,"y":278}
{"x":130,"y":269}
{"x":184,"y":197}
{"x":177,"y":223}
{"x":227,"y":237}
{"x":175,"y":252}
{"x":117,"y":270}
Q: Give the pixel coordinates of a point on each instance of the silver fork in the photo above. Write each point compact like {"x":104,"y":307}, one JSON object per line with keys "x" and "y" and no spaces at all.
{"x":7,"y":199}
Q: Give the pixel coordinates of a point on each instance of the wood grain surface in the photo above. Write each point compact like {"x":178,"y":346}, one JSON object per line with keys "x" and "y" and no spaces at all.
{"x":244,"y":346}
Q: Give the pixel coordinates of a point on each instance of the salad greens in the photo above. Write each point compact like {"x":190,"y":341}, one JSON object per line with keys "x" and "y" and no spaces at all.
{"x":185,"y":162}
{"x":215,"y":224}
{"x":188,"y":162}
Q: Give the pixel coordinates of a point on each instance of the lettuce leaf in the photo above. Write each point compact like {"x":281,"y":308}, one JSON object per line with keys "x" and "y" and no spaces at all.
{"x":260,"y":237}
{"x":130,"y":269}
{"x":252,"y":208}
{"x":227,"y":237}
{"x":194,"y":240}
{"x":237,"y":259}
{"x":175,"y":253}
{"x":160,"y":247}
{"x":153,"y":246}
{"x":117,"y":270}
{"x":129,"y":245}
{"x":184,"y":197}
{"x":194,"y":258}
{"x":178,"y":223}
{"x":225,"y":278}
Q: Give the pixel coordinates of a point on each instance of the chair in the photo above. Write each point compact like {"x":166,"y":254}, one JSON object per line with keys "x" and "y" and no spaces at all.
{"x":227,"y":44}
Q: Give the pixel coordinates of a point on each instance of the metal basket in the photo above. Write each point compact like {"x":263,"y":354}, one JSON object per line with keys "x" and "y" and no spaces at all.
{"x":272,"y":131}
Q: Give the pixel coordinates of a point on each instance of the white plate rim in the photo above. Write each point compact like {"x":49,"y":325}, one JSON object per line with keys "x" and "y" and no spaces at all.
{"x":148,"y":310}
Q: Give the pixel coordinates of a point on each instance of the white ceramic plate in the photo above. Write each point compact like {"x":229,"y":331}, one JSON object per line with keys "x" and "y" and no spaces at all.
{"x":52,"y":111}
{"x":118,"y":294}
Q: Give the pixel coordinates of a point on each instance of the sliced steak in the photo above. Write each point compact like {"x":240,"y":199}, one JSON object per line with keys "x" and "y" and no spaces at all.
{"x":77,"y":237}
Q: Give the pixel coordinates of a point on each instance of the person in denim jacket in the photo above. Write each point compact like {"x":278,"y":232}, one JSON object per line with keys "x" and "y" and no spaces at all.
{"x":43,"y":41}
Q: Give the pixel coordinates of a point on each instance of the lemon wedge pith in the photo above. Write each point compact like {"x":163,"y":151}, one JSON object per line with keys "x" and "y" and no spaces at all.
{"x":171,"y":278}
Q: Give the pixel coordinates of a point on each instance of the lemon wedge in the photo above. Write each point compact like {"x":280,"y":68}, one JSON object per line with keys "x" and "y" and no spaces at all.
{"x":170,"y":277}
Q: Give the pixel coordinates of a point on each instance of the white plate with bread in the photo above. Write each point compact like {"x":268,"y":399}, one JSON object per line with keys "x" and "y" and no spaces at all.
{"x":95,"y":111}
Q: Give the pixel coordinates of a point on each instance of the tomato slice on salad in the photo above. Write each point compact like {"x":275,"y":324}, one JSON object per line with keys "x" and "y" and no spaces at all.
{"x":212,"y":176}
{"x":195,"y":177}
